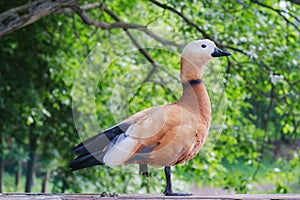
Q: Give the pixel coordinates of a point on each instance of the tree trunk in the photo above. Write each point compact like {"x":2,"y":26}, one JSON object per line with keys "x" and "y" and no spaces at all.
{"x":18,"y":174}
{"x":45,"y":182}
{"x":1,"y":164}
{"x":1,"y":174}
{"x":31,"y":163}
{"x":64,"y":186}
{"x":34,"y":176}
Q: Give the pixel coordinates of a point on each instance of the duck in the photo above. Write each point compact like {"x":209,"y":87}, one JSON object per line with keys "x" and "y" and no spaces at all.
{"x":163,"y":135}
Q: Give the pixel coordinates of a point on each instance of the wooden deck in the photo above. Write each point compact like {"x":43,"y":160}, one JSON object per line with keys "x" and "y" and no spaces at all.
{"x":23,"y":196}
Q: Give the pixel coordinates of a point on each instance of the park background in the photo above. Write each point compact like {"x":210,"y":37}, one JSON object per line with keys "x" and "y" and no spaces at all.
{"x":44,"y":45}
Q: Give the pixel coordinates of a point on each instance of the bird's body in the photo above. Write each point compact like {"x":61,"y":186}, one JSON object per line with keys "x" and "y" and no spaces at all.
{"x":164,"y":135}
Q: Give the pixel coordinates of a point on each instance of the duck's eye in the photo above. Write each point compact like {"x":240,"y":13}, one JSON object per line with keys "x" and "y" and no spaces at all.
{"x":203,"y":46}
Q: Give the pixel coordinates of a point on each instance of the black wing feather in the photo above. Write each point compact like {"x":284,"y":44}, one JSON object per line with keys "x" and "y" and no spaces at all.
{"x":92,"y":151}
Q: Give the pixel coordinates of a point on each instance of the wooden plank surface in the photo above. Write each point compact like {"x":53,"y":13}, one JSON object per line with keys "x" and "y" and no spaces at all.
{"x":24,"y":196}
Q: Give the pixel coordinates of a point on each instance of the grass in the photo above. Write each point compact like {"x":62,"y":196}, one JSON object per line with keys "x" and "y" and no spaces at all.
{"x":269,"y":177}
{"x":9,"y":184}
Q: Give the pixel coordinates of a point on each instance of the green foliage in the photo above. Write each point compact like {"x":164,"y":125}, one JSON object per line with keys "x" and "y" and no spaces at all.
{"x":59,"y":61}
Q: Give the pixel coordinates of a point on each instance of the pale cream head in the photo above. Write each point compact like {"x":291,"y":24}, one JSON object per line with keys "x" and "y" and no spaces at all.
{"x":195,"y":55}
{"x":198,"y":52}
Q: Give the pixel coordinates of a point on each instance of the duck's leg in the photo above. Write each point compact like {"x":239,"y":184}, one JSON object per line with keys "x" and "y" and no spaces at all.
{"x":169,"y":191}
{"x":143,"y":168}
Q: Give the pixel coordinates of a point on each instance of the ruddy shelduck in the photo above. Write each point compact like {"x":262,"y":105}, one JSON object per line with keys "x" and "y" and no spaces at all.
{"x":164,"y":135}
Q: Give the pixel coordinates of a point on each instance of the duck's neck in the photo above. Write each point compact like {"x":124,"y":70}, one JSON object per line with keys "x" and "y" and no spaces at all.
{"x":190,"y":71}
{"x":195,"y":98}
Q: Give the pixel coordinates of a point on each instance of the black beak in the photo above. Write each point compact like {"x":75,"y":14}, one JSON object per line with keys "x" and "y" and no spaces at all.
{"x":218,"y":53}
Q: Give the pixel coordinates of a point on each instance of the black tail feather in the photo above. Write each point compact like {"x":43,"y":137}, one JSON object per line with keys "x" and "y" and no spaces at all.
{"x":92,"y":151}
{"x":83,"y":162}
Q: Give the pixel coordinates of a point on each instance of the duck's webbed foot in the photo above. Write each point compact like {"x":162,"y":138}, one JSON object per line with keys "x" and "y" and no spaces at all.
{"x":168,"y":191}
{"x":171,"y":193}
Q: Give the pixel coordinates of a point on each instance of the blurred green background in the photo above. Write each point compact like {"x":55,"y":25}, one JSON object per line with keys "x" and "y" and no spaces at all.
{"x":50,"y":64}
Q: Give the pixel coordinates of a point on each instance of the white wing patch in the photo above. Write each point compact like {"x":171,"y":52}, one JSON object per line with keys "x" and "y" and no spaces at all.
{"x":120,"y":152}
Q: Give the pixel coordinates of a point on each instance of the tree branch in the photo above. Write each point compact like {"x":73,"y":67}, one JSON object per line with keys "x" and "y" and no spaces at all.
{"x":135,"y":42}
{"x":24,"y":15}
{"x":187,"y":20}
{"x":21,"y":16}
{"x":191,"y":23}
{"x":86,"y":19}
{"x":279,"y":12}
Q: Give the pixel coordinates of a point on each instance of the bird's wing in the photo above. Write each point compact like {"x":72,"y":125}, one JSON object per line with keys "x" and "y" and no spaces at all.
{"x":146,"y":128}
{"x":158,"y":136}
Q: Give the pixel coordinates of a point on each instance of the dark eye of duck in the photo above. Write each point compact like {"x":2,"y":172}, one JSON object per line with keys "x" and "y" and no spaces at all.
{"x":203,"y":46}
